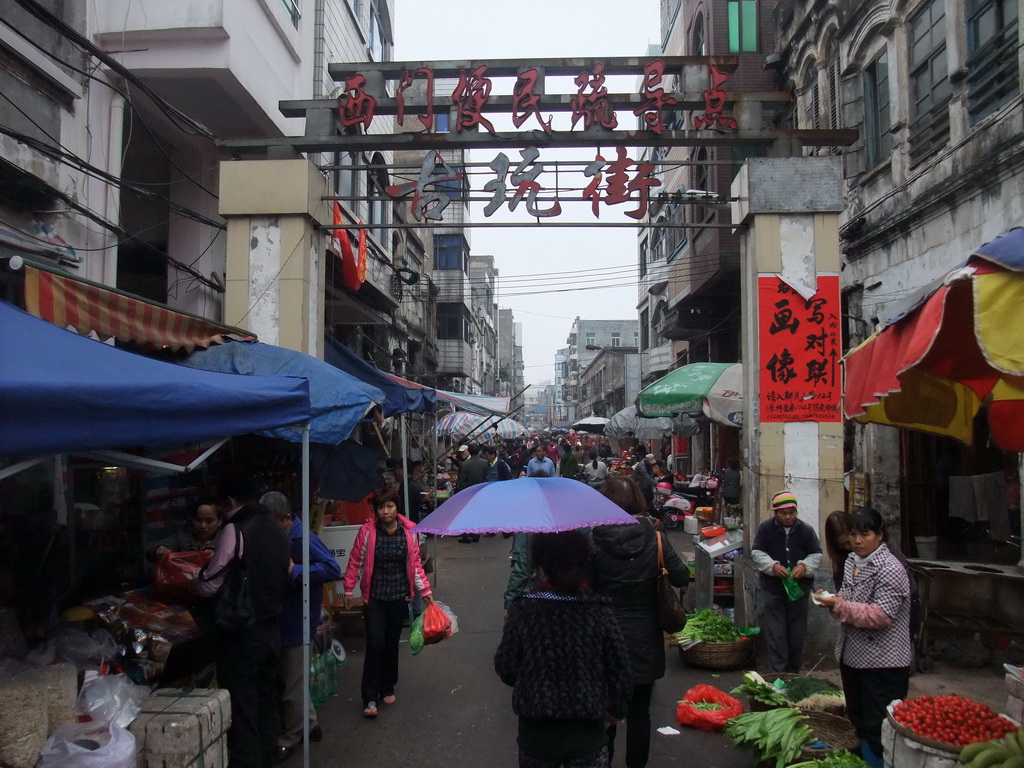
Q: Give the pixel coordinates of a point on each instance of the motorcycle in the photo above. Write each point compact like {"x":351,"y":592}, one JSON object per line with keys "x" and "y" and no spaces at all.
{"x":672,"y":506}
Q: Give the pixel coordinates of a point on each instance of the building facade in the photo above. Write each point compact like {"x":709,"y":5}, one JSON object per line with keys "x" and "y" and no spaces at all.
{"x":610,"y":382}
{"x":934,"y":87}
{"x":586,"y":339}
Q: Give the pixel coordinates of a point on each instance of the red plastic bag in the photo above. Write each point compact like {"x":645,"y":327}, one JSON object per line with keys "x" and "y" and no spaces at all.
{"x":710,"y":720}
{"x":174,"y":573}
{"x":437,"y":625}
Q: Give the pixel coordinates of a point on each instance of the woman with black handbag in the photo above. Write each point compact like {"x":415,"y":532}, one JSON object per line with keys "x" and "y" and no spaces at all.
{"x":626,"y":569}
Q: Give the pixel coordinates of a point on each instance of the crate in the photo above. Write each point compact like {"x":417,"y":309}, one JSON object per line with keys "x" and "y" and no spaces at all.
{"x":183,"y":728}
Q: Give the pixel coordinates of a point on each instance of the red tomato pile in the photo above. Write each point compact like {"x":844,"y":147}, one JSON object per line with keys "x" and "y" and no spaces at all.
{"x":951,"y":719}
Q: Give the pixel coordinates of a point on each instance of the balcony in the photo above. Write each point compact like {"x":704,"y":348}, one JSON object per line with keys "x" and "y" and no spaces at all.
{"x":454,"y":358}
{"x":657,"y":360}
{"x":226,"y":63}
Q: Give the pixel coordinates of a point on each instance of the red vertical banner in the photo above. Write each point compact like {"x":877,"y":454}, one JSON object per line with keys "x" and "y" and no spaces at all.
{"x":800,"y":345}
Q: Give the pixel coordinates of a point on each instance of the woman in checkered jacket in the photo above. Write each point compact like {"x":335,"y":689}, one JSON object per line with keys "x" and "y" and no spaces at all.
{"x":874,"y":644}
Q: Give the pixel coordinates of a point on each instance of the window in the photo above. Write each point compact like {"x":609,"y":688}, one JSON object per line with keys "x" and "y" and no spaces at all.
{"x":742,"y":26}
{"x":697,"y":36}
{"x":643,"y":258}
{"x":448,"y":252}
{"x":636,"y":338}
{"x":377,"y":207}
{"x":700,"y":181}
{"x":877,"y":118}
{"x":993,"y":77}
{"x":645,"y":330}
{"x":929,"y":81}
{"x":675,"y":236}
{"x":451,"y":322}
{"x":376,"y":37}
{"x":812,"y":98}
{"x":292,"y":7}
{"x":591,"y":340}
{"x":345,"y":180}
{"x":832,"y":75}
{"x":441,"y":122}
{"x":616,"y":340}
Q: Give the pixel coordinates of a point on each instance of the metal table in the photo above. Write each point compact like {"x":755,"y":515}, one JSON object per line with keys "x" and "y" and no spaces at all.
{"x":966,"y":598}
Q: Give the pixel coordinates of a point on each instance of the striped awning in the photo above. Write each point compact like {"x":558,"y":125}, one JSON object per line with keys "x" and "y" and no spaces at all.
{"x":89,"y":307}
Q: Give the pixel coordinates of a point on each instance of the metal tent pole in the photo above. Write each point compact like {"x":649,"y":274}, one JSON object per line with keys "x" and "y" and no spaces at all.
{"x":305,"y":596}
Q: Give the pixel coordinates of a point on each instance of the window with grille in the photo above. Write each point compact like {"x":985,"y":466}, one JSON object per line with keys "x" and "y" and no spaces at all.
{"x":993,"y":77}
{"x":742,"y":26}
{"x":929,"y":81}
{"x":877,"y":115}
{"x":812,"y":98}
{"x":832,"y":76}
{"x":448,"y":252}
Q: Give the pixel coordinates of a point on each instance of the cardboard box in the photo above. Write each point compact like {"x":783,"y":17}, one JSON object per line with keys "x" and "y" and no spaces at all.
{"x":183,"y":728}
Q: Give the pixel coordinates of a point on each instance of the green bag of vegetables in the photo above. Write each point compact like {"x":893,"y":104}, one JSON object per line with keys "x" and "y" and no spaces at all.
{"x":793,"y":589}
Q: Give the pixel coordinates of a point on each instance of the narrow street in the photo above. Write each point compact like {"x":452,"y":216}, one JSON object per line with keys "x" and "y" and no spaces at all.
{"x":453,"y":711}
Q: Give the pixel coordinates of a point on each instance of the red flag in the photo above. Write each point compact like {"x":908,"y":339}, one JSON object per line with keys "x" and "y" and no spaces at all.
{"x":349,"y":265}
{"x":361,"y":261}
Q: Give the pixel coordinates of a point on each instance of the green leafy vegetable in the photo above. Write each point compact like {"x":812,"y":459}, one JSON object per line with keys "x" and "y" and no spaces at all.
{"x":708,"y":626}
{"x":758,"y":690}
{"x":778,"y":734}
{"x":834,"y":759}
{"x":799,"y":688}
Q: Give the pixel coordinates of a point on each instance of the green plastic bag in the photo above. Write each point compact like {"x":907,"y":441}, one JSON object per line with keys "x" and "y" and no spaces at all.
{"x":416,"y":635}
{"x":793,"y":589}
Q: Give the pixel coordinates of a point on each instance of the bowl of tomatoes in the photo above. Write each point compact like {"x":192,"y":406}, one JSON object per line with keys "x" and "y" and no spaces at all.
{"x":948,"y":722}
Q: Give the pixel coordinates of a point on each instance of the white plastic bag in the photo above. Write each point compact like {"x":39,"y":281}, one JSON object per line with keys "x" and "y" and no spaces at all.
{"x":89,"y":745}
{"x":111,"y":699}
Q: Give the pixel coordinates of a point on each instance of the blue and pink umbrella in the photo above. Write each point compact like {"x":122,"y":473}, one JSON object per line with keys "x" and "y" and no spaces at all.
{"x":534,"y":504}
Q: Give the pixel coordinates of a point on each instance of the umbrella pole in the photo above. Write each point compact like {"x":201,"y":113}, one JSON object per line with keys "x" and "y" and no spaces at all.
{"x":405,"y":462}
{"x":433,"y":496}
{"x":1020,"y":475}
{"x":305,"y":595}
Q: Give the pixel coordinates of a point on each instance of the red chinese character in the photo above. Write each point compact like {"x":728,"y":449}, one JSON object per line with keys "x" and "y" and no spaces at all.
{"x":355,"y":105}
{"x":620,"y":188}
{"x":593,"y":107}
{"x":403,"y":85}
{"x":470,"y":96}
{"x":525,"y":101}
{"x":654,"y":98}
{"x":714,"y":102}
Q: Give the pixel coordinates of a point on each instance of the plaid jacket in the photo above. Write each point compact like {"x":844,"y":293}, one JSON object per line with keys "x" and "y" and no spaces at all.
{"x":874,"y":613}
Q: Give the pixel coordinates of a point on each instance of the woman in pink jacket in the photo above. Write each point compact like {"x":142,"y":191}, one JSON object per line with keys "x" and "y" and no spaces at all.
{"x":385,"y":557}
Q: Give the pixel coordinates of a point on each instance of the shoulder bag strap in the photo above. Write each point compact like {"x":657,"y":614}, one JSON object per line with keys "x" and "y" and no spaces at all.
{"x":236,"y":558}
{"x":661,"y":555}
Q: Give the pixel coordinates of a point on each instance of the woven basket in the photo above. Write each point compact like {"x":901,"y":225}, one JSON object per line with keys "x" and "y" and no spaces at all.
{"x":835,"y":731}
{"x":718,"y":655}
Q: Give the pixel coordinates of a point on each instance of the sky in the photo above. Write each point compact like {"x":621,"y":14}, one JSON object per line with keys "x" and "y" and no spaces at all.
{"x":592,"y":269}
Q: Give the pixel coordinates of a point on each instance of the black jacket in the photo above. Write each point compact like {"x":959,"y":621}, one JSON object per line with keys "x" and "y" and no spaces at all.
{"x":564,"y":657}
{"x":625,"y":569}
{"x":473,"y":471}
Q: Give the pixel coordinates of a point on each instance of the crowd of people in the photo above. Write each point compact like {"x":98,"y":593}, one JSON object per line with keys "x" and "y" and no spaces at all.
{"x":582,"y":600}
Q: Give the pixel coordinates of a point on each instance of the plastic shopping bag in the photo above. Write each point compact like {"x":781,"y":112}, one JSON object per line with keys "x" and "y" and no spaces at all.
{"x":88,"y":745}
{"x":438,"y":621}
{"x":174,"y":574}
{"x":792,"y":587}
{"x":689,"y":711}
{"x":416,"y":635}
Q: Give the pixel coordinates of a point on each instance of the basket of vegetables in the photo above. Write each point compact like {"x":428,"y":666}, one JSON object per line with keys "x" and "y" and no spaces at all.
{"x":711,"y":641}
{"x":783,"y":736}
{"x":809,"y":693}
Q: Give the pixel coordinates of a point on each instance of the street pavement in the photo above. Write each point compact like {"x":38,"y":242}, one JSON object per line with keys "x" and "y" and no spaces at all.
{"x":454,"y":712}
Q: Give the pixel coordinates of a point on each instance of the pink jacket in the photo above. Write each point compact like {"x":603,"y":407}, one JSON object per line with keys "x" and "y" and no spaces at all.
{"x":362,"y":557}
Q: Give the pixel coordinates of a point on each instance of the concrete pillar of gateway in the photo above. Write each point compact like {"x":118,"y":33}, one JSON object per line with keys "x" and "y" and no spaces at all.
{"x":275,"y":250}
{"x":787,"y":209}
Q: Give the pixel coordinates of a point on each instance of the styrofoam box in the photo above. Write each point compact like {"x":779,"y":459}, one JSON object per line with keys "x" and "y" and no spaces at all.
{"x":178,"y":727}
{"x":901,"y":752}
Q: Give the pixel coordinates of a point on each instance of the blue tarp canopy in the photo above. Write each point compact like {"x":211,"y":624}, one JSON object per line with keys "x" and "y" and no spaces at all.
{"x":61,"y":392}
{"x":400,"y":398}
{"x":339,"y":401}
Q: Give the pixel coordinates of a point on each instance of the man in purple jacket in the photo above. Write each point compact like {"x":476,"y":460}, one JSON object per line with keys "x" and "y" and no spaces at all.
{"x":323,"y":568}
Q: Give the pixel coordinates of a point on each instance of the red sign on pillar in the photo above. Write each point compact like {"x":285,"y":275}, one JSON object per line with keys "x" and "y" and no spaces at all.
{"x":800,"y":349}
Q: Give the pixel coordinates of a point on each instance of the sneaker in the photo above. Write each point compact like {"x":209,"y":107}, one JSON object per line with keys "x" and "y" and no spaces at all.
{"x":316,"y":733}
{"x":466,"y":540}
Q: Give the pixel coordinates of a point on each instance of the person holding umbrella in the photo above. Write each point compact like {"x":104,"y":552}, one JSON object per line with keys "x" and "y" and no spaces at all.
{"x":625,"y":569}
{"x":564,"y":656}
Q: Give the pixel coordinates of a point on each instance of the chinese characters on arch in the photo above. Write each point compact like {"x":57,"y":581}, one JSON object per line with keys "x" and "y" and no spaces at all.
{"x":611,"y":181}
{"x":800,"y":347}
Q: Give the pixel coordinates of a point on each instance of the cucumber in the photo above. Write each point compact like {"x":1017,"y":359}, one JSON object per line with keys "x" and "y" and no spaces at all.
{"x":1013,"y":745}
{"x":1017,"y":761}
{"x":994,"y":755}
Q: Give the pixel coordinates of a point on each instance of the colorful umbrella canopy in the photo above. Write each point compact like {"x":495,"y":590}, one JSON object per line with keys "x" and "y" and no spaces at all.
{"x":535,"y":504}
{"x":626,"y":423}
{"x":462,"y":424}
{"x":959,"y":347}
{"x":592,"y":425}
{"x":713,"y":389}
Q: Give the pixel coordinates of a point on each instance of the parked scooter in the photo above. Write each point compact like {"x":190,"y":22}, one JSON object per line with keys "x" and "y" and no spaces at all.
{"x":671,"y":506}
